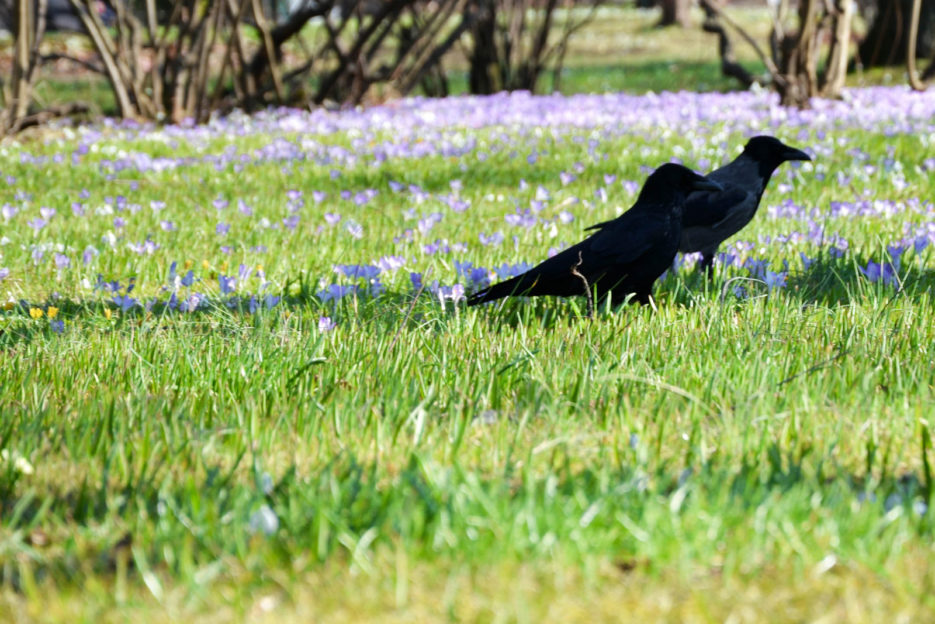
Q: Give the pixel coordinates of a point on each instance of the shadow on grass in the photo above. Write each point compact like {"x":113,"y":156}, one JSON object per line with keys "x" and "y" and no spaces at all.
{"x":828,"y":280}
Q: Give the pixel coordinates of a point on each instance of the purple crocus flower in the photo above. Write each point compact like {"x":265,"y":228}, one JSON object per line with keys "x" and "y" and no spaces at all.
{"x":757,"y":268}
{"x":188,"y":279}
{"x":362,"y":198}
{"x":335,"y":291}
{"x":90,"y":252}
{"x":354,"y":229}
{"x":492,"y":239}
{"x":58,"y":326}
{"x":455,"y":292}
{"x":479,"y":277}
{"x":147,"y":247}
{"x":168,"y":226}
{"x":291,"y":222}
{"x":325,"y":324}
{"x":125,"y":302}
{"x":47,"y":213}
{"x":774,"y":280}
{"x":357,"y":271}
{"x":221,"y":229}
{"x":62,"y":261}
{"x":4,"y":273}
{"x":191,"y":303}
{"x":884,"y":272}
{"x":37,"y":224}
{"x":521,"y":219}
{"x":227,"y":284}
{"x":895,"y":252}
{"x":505,"y":271}
{"x":388,"y":264}
{"x":427,"y":223}
{"x":332,"y":218}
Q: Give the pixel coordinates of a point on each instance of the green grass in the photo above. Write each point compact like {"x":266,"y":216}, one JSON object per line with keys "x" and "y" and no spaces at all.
{"x":702,"y":462}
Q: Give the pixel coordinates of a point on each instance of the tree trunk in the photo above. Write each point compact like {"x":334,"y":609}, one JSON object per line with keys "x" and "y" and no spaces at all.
{"x":675,"y":13}
{"x":483,"y":77}
{"x":832,"y":81}
{"x":887,"y":39}
{"x":799,"y":52}
{"x":24,"y":20}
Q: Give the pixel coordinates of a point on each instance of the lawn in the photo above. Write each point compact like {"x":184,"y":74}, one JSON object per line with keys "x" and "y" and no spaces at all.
{"x":240,"y":383}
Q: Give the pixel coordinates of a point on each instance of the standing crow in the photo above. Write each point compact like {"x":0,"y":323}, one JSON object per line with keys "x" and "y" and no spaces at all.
{"x":624,"y":256}
{"x":710,"y":217}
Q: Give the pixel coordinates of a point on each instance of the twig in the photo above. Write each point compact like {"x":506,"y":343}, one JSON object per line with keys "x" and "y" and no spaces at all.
{"x":729,"y":65}
{"x":47,"y":115}
{"x":587,"y":286}
{"x":55,"y":56}
{"x":774,"y":72}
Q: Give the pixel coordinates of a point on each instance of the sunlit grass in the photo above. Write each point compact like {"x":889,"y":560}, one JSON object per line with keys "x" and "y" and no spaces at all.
{"x":764,"y":457}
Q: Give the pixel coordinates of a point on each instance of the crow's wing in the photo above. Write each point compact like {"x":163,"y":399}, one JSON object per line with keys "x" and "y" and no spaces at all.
{"x":625,"y":240}
{"x":714,"y":210}
{"x":598,"y":226}
{"x":710,"y":218}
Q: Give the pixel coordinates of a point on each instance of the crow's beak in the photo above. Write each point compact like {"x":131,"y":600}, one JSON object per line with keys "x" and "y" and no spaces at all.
{"x":794,"y":154}
{"x":704,"y":184}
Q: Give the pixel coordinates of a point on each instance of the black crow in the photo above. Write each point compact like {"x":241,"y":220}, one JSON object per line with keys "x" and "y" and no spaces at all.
{"x":624,"y":256}
{"x":710,"y":217}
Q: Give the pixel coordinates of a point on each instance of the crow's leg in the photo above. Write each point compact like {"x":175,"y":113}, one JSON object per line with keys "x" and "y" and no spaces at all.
{"x":642,"y":297}
{"x":618,"y":299}
{"x":707,"y":264}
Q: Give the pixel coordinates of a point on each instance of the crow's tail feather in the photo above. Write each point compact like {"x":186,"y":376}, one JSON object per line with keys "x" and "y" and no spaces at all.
{"x":511,"y":286}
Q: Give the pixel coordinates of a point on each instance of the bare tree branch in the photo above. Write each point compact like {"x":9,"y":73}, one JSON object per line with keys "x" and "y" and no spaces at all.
{"x":914,"y":81}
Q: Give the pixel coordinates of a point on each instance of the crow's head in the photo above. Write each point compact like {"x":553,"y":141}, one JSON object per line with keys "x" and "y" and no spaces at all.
{"x":772,"y":152}
{"x":670,"y":183}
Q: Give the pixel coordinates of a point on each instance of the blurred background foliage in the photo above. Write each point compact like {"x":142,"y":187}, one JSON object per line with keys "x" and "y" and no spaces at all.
{"x":186,"y":60}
